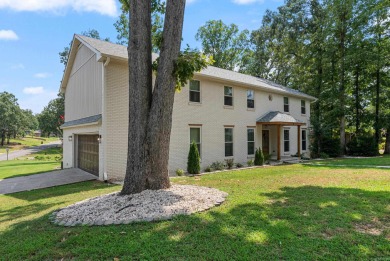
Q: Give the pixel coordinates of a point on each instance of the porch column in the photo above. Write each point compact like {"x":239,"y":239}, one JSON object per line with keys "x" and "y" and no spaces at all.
{"x":278,"y":131}
{"x":299,"y":141}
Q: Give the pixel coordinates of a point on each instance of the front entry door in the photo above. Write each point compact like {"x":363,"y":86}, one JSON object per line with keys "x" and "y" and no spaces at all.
{"x":265,"y":141}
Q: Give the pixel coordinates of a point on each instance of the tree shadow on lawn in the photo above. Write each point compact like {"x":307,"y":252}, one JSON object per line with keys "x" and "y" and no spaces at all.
{"x":346,"y":166}
{"x":299,"y":223}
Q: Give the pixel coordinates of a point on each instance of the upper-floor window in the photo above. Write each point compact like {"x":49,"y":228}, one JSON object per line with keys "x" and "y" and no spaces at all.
{"x":286,"y":135}
{"x":303,"y":107}
{"x":286,"y":105}
{"x":304,"y":138}
{"x":228,"y":98}
{"x":251,"y":141}
{"x":228,"y":142}
{"x":250,"y":99}
{"x":194,"y":91}
{"x":196,"y":137}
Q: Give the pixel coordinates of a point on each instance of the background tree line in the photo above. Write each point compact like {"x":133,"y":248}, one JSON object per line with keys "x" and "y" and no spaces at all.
{"x":335,"y":50}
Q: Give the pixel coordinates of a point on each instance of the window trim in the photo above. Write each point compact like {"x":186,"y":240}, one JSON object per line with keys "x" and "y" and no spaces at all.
{"x":286,"y":104}
{"x":254,"y":105}
{"x":232,"y":142}
{"x":303,"y":107}
{"x":302,"y":140}
{"x":189,"y":93}
{"x":224,"y":95}
{"x":289,"y":141}
{"x":200,"y":137}
{"x":248,"y":141}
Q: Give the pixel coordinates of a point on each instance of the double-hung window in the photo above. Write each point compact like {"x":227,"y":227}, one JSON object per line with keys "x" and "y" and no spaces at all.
{"x":303,"y":107}
{"x":228,"y":96}
{"x":251,"y":141}
{"x":195,"y":136}
{"x":250,"y":99}
{"x":228,"y":142}
{"x":194,"y":91}
{"x":286,"y":135}
{"x":286,"y":104}
{"x":304,"y":140}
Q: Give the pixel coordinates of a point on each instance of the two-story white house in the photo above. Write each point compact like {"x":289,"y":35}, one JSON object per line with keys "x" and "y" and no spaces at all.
{"x":228,"y":114}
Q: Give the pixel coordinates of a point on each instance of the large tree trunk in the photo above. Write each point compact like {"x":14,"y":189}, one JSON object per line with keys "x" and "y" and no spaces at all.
{"x":377,"y":101}
{"x":140,"y":89}
{"x":357,"y":99}
{"x":387,"y":144}
{"x":160,"y":116}
{"x":343,"y":32}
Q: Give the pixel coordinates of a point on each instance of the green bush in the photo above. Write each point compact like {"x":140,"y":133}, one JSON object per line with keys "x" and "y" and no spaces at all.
{"x":229,"y":163}
{"x":179,"y":172}
{"x":363,"y":146}
{"x":239,"y":165}
{"x":250,"y":163}
{"x":208,"y":169}
{"x":259,"y":157}
{"x":217,"y":165}
{"x":323,"y":155}
{"x":193,"y":163}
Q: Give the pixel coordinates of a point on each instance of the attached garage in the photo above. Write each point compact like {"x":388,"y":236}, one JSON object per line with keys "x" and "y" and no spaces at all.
{"x":88,"y":153}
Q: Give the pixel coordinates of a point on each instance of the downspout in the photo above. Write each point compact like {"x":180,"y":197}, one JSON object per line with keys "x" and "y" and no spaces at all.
{"x":104,"y":124}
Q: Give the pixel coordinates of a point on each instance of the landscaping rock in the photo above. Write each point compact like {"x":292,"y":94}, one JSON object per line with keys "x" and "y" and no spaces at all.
{"x":149,"y":205}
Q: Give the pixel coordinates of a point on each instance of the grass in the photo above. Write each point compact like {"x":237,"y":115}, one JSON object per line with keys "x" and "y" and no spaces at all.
{"x":21,"y":143}
{"x":383,"y":160}
{"x":291,"y":212}
{"x":42,"y":161}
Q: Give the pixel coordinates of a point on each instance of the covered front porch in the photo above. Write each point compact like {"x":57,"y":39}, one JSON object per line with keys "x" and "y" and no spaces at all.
{"x":275,"y":128}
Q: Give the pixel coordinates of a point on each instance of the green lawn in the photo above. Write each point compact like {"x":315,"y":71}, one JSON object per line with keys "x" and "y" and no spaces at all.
{"x":43,"y":161}
{"x":20,"y":143}
{"x":290,"y":212}
{"x":383,"y":160}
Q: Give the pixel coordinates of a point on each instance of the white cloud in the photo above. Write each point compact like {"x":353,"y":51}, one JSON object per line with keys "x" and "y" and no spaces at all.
{"x":18,"y":66}
{"x":42,"y":75}
{"x":33,"y":90}
{"x":8,"y":35}
{"x":105,"y":7}
{"x":37,"y":102}
{"x":247,"y":2}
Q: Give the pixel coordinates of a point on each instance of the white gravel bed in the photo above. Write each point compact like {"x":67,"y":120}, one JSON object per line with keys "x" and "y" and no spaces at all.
{"x":148,"y":205}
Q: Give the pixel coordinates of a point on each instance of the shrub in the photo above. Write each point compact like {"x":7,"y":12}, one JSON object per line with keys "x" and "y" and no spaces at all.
{"x":179,"y":172}
{"x":323,"y":155}
{"x":193,"y":163}
{"x":217,"y":165}
{"x":363,"y":146}
{"x":239,"y":165}
{"x":208,"y":169}
{"x":250,"y":163}
{"x":259,"y":157}
{"x":267,"y":157}
{"x":229,"y":163}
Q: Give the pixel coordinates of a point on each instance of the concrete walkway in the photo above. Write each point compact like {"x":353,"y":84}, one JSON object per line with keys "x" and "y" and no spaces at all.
{"x":20,"y":153}
{"x":44,"y":180}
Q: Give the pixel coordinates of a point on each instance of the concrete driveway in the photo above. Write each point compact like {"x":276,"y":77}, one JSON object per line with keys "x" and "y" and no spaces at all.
{"x":20,"y":153}
{"x":44,"y":180}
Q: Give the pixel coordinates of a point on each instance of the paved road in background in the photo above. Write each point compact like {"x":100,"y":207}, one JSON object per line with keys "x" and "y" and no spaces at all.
{"x":20,"y":153}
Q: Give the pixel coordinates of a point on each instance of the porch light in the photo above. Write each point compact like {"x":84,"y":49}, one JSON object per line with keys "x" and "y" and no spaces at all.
{"x":99,"y":139}
{"x":70,"y":138}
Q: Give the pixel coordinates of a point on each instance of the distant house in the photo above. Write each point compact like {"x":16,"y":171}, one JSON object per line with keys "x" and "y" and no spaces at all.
{"x":37,"y":133}
{"x":226,"y":113}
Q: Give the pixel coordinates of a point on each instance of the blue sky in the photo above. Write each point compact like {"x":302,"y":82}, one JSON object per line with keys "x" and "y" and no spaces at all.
{"x":33,"y":32}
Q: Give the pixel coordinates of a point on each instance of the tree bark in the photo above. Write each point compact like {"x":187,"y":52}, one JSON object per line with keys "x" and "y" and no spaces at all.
{"x":357,"y":99}
{"x":342,"y":81}
{"x":160,"y":116}
{"x":387,"y":144}
{"x":377,"y":101}
{"x":140,"y":90}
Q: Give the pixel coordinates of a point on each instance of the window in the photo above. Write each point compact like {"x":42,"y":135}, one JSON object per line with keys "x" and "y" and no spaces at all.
{"x":195,"y":136}
{"x":194,"y":91}
{"x":303,"y":107}
{"x":228,"y":100}
{"x":250,"y":99}
{"x":286,"y":106}
{"x":286,"y":140}
{"x":304,"y":143}
{"x":228,"y":142}
{"x":251,"y":141}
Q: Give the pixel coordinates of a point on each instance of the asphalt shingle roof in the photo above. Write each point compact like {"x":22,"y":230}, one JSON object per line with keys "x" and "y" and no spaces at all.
{"x":277,"y":116}
{"x":120,"y":51}
{"x":87,"y":120}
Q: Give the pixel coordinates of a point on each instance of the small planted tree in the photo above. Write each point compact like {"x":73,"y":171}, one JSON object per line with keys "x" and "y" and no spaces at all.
{"x":259,"y":157}
{"x":193,"y":163}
